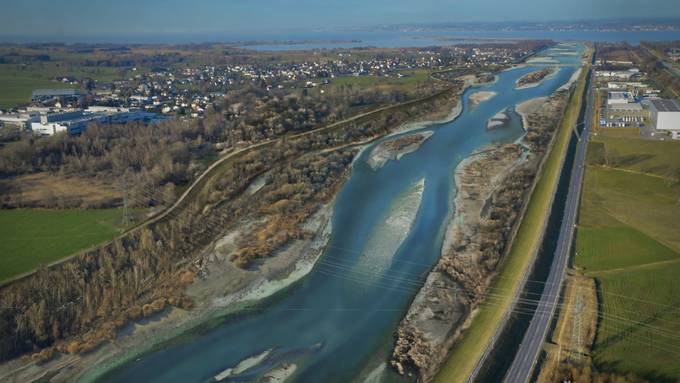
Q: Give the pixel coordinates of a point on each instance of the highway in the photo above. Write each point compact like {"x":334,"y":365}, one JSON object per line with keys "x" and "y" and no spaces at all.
{"x":526,"y":357}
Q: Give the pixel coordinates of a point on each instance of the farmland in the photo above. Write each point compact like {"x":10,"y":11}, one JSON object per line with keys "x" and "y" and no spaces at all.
{"x":628,"y":240}
{"x":17,"y":81}
{"x":33,"y":237}
{"x":409,"y":78}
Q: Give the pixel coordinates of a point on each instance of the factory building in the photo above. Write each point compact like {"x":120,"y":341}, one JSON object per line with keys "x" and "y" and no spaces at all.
{"x":666,"y":115}
{"x":56,"y":95}
{"x":76,"y":122}
{"x":620,"y":98}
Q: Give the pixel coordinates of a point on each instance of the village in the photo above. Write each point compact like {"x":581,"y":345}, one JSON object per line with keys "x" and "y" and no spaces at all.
{"x":189,"y":91}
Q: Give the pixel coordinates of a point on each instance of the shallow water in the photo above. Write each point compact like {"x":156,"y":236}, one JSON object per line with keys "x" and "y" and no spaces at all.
{"x":337,"y":322}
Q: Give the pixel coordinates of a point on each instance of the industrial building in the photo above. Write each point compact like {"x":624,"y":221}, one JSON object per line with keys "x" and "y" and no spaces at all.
{"x":48,"y":95}
{"x":623,"y":109}
{"x":75,"y":122}
{"x":620,"y":98}
{"x":666,"y":115}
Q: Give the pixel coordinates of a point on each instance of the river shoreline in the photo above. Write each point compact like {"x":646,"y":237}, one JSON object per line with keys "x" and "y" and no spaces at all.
{"x":240,"y":298}
{"x":223,"y":289}
{"x":528,"y":107}
{"x":486,"y":181}
{"x":434,"y":319}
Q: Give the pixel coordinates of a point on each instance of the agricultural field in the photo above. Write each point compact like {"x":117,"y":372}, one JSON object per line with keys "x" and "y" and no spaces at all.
{"x":30,"y":238}
{"x":410,"y":78}
{"x":18,"y":81}
{"x":629,"y":241}
{"x":17,"y":85}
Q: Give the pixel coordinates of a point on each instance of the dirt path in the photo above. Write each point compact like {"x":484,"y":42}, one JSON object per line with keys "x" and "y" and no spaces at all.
{"x":633,"y":171}
{"x":632,"y":268}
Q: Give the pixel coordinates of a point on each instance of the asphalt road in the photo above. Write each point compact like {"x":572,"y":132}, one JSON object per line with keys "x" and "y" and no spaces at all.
{"x":525,"y":359}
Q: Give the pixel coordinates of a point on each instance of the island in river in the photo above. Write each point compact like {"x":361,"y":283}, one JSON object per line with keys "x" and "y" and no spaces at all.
{"x":395,"y":148}
{"x":534,"y":79}
{"x":481,"y":96}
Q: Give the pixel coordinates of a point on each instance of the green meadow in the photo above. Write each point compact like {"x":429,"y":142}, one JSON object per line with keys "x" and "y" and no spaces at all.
{"x":32,"y":237}
{"x":629,"y":241}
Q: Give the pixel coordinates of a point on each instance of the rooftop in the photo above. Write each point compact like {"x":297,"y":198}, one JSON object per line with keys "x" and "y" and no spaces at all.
{"x":55,"y":92}
{"x":662,"y":105}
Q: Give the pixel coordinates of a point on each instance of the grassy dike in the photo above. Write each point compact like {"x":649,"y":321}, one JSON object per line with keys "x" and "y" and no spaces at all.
{"x":473,"y":343}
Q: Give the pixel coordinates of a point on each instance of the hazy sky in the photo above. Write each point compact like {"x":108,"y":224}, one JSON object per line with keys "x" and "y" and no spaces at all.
{"x":83,"y":18}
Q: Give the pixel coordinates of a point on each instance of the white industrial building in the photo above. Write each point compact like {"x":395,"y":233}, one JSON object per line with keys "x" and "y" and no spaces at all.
{"x":620,"y":98}
{"x":666,"y":115}
{"x":626,"y":107}
{"x":47,"y":129}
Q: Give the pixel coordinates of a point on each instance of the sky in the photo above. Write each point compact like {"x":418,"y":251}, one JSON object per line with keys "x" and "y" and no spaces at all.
{"x":126,"y":18}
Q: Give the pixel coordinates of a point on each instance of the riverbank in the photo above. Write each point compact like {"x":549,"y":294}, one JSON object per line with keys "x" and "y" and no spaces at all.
{"x":528,"y":107}
{"x":525,"y":241}
{"x":219,"y":289}
{"x":493,"y":187}
{"x":433,"y":320}
{"x":216,"y":286}
{"x":574,"y":77}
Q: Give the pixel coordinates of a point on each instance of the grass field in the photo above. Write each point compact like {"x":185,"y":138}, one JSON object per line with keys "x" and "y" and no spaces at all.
{"x":641,"y":325}
{"x":16,"y":86}
{"x":646,"y":156}
{"x":29,"y":238}
{"x":410,"y":78}
{"x":629,"y":241}
{"x":469,"y":350}
{"x":18,"y":81}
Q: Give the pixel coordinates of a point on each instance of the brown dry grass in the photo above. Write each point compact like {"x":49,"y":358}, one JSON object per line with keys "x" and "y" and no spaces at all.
{"x":48,"y":190}
{"x":580,"y":298}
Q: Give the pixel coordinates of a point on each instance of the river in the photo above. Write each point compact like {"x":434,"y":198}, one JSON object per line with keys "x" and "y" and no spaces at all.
{"x":336,"y":324}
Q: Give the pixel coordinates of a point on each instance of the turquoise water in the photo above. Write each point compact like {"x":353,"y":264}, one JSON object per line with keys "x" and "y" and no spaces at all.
{"x":338,"y":321}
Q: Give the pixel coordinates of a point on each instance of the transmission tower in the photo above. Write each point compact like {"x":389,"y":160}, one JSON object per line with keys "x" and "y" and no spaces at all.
{"x":127,"y":214}
{"x":577,"y":326}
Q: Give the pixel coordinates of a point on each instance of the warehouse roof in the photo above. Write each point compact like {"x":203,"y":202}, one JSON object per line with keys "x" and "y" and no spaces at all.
{"x":662,"y":105}
{"x":55,"y":92}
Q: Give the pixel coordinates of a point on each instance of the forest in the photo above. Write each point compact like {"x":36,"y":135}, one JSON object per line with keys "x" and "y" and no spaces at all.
{"x":151,"y":161}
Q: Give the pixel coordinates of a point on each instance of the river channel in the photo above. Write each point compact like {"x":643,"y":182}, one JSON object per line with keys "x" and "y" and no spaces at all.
{"x":336,"y":324}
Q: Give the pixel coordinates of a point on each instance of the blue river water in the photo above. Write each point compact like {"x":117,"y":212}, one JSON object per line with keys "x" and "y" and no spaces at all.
{"x":337,"y":323}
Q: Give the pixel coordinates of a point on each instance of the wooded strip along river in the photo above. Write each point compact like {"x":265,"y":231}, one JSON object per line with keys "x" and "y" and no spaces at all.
{"x":336,"y":324}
